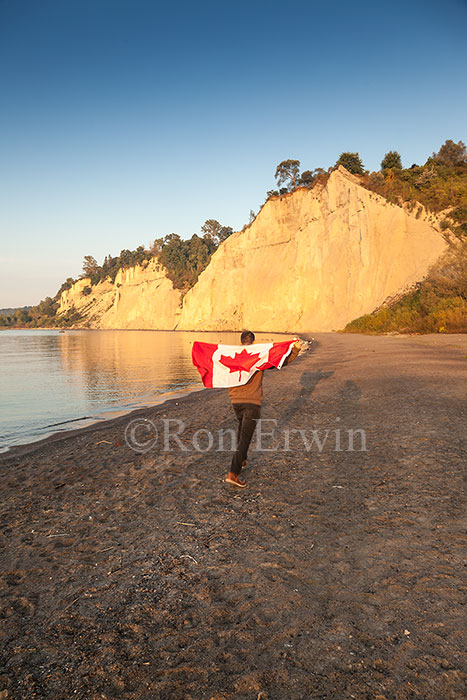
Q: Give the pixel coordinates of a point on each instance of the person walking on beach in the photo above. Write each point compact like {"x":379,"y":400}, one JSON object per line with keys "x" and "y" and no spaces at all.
{"x":246,"y":402}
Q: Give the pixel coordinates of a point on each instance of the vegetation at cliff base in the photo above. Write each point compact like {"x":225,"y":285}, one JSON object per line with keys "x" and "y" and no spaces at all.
{"x":438,"y":304}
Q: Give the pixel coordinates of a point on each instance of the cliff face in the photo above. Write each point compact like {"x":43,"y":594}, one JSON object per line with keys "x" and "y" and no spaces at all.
{"x":141,"y":297}
{"x":313,"y":261}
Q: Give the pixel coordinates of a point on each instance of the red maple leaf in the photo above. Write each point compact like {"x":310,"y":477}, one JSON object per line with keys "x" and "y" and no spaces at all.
{"x":241,"y":362}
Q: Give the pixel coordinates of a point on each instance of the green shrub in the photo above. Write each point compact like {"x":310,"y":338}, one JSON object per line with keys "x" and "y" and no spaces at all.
{"x":436,"y":305}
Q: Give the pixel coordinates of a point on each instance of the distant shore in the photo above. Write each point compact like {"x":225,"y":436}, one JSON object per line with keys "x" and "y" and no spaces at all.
{"x":335,"y":572}
{"x":224,"y":330}
{"x":152,"y":330}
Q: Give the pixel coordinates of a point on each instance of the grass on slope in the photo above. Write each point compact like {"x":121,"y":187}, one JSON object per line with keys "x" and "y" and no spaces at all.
{"x":438,"y":304}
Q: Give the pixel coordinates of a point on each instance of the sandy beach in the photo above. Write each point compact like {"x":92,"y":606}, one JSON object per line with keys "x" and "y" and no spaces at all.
{"x":337,"y":573}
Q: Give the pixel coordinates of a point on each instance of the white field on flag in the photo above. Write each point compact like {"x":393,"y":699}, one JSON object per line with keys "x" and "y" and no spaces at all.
{"x":233,"y":365}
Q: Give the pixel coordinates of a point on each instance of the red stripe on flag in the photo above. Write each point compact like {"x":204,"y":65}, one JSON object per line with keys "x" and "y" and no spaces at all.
{"x":277,"y":354}
{"x":201,"y":355}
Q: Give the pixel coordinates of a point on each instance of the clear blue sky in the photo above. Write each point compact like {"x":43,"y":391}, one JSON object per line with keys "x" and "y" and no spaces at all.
{"x":121,"y":121}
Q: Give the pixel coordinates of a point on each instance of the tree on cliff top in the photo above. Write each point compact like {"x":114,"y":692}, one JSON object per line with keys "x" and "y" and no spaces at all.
{"x":184,"y":260}
{"x":69,"y":282}
{"x":451,"y":154}
{"x":288,"y":170}
{"x":351,"y":162}
{"x":90,"y":266}
{"x":213,"y":231}
{"x":392,"y":159}
{"x":307,"y":178}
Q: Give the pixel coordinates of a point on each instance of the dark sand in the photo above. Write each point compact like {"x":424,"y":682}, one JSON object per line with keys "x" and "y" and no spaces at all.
{"x":335,"y":574}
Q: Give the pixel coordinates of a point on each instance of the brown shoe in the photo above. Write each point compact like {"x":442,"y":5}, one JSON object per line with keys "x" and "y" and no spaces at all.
{"x":234,"y":480}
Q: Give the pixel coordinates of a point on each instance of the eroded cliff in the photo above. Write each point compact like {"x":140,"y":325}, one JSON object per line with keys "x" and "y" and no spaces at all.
{"x":141,"y":297}
{"x":312,"y":260}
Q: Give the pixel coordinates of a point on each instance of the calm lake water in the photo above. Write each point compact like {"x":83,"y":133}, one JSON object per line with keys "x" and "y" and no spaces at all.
{"x":52,"y":381}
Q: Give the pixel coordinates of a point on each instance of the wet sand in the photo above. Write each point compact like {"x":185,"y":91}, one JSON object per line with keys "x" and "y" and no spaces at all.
{"x":335,"y":574}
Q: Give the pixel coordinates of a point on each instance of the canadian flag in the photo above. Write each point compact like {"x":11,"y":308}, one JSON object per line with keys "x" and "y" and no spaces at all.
{"x":233,"y":365}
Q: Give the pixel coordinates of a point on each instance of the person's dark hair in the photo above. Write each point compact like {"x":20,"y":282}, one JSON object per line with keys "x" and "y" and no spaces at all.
{"x":247,"y":337}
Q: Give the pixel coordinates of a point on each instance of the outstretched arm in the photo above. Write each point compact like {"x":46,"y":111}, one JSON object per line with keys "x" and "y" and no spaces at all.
{"x":293,"y":354}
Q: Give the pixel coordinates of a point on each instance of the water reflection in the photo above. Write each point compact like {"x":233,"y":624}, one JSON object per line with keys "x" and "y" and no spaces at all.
{"x":133,"y":364}
{"x":50,"y":378}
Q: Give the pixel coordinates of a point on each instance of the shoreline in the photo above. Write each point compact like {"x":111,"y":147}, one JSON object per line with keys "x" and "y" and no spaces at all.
{"x":342,"y":331}
{"x":26,"y":448}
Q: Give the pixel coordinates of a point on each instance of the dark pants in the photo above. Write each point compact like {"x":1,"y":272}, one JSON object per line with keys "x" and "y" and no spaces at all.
{"x":247,"y":415}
